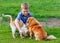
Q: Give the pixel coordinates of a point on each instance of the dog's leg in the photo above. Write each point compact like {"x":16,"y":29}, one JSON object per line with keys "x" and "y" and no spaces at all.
{"x":13,"y":30}
{"x":31,"y":35}
{"x":36,"y":36}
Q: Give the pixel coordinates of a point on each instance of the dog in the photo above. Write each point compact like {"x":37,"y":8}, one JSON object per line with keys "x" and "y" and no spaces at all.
{"x":23,"y":29}
{"x":36,"y":30}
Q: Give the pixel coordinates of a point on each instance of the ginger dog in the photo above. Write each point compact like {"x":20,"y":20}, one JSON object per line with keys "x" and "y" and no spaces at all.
{"x":22,"y":31}
{"x":36,"y":30}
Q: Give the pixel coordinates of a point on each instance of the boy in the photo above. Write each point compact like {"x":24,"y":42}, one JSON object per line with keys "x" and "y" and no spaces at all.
{"x":23,"y":15}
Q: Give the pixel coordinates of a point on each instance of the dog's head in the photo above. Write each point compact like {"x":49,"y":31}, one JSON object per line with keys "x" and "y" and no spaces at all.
{"x":32,"y":21}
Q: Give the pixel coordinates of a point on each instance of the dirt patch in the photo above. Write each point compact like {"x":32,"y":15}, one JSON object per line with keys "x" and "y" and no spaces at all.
{"x":52,"y":22}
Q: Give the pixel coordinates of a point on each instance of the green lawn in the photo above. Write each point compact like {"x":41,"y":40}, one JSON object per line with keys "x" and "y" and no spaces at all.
{"x":40,"y":8}
{"x":6,"y":36}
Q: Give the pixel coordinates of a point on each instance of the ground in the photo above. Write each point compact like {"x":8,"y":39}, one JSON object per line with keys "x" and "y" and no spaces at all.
{"x":6,"y":36}
{"x":51,"y":22}
{"x":47,"y":12}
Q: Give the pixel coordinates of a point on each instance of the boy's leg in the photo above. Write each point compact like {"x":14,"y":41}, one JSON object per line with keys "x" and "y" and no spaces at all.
{"x":17,"y":25}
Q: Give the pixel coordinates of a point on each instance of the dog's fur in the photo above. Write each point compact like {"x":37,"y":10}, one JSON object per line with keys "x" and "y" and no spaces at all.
{"x":36,"y":29}
{"x":23,"y":30}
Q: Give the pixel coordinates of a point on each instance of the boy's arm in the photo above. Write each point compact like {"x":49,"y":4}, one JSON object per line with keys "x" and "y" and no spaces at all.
{"x":17,"y":22}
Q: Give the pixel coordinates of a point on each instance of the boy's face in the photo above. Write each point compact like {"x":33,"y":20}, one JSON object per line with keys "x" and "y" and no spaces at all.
{"x":25,"y":11}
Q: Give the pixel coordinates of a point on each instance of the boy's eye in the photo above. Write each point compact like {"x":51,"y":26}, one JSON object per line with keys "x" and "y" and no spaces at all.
{"x":25,"y":10}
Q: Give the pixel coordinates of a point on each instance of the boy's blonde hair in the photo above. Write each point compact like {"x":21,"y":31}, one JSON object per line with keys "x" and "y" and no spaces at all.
{"x":24,"y":6}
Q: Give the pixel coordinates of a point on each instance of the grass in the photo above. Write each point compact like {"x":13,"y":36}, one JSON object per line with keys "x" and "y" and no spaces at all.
{"x":40,"y":8}
{"x":6,"y":36}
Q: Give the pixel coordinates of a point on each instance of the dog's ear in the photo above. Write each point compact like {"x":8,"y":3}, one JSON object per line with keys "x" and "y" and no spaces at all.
{"x":34,"y":22}
{"x":29,"y":20}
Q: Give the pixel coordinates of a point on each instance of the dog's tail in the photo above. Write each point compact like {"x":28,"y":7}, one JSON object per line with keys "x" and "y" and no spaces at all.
{"x":50,"y":37}
{"x":8,"y":16}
